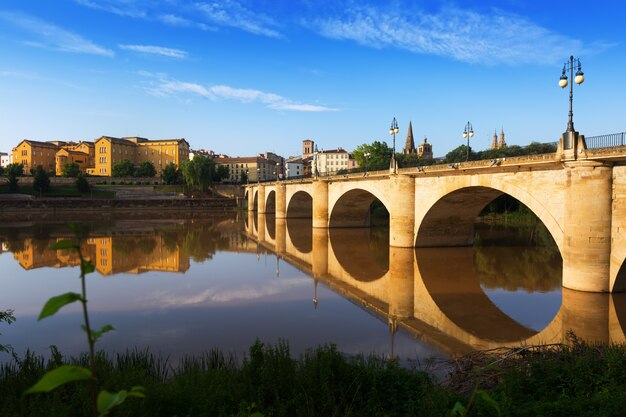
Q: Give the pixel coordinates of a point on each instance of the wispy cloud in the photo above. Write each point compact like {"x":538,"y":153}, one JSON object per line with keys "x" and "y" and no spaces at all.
{"x":463,"y":35}
{"x":231,"y":13}
{"x":179,"y":21}
{"x":204,"y":15}
{"x":163,"y":86}
{"x":53,"y":37}
{"x":155,"y":50}
{"x":118,"y":7}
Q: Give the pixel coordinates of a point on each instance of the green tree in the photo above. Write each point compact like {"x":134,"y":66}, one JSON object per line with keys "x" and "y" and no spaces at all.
{"x":171,"y":174}
{"x":244,"y":177}
{"x":41,"y":181}
{"x":199,"y":172}
{"x":408,"y":160}
{"x":12,"y":172}
{"x":145,"y":169}
{"x":124,"y":168}
{"x":459,"y":154}
{"x":70,"y":169}
{"x":1,"y":171}
{"x":379,"y":155}
{"x":82,"y":185}
{"x":222,"y":172}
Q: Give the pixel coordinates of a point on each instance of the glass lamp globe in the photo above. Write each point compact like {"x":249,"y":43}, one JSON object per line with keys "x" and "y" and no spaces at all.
{"x":580,"y":78}
{"x":563,"y":82}
{"x":471,"y":133}
{"x":464,"y":135}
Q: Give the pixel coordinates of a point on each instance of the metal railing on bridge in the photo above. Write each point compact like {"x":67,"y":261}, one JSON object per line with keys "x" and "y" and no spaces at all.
{"x":606,"y":141}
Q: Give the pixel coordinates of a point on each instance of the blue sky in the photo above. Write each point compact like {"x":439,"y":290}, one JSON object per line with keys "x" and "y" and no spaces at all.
{"x":243,"y":77}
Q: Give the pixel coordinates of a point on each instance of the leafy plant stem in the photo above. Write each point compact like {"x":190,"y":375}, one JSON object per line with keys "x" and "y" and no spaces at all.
{"x":90,"y":340}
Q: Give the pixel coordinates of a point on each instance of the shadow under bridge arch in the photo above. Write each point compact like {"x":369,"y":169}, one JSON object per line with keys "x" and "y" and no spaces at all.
{"x":300,"y":206}
{"x":358,"y":208}
{"x":450,"y":220}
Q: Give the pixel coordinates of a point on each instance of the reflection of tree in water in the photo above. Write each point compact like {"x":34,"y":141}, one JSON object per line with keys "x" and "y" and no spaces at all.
{"x":514,"y":258}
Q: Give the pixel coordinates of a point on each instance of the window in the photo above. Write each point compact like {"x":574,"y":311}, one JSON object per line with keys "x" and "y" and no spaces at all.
{"x":25,"y":152}
{"x":103,"y":159}
{"x":103,"y":149}
{"x":103,"y":262}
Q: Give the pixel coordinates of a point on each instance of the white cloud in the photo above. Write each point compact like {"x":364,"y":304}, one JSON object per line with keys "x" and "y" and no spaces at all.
{"x":231,"y":13}
{"x":162,"y":86}
{"x":54,"y":37}
{"x":463,"y":35}
{"x":121,"y":8}
{"x":155,"y":50}
{"x":179,"y":21}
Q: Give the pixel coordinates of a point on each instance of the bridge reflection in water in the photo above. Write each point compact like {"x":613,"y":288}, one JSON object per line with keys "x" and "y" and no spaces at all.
{"x":436,"y":293}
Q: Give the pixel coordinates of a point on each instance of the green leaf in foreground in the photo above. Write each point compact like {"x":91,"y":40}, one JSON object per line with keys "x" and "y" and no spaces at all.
{"x":54,"y":304}
{"x":96,"y":334}
{"x":64,"y":244}
{"x":108,"y":400}
{"x":86,"y":267}
{"x":59,"y":376}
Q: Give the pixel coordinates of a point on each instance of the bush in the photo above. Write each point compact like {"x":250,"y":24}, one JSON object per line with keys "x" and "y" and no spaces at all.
{"x":82,"y":184}
{"x":41,"y":181}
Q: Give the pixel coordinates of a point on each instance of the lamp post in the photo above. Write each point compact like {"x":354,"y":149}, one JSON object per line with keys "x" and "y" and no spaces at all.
{"x":258,"y":175}
{"x":392,"y":131}
{"x":366,"y":155}
{"x":579,"y":79}
{"x":468,"y":133}
{"x":277,"y":171}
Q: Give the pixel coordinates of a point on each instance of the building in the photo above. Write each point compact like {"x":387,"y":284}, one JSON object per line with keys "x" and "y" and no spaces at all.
{"x":295,"y":167}
{"x":31,"y":153}
{"x":256,"y":168}
{"x":5,"y":159}
{"x":98,"y":158}
{"x":409,"y":146}
{"x":110,"y":151}
{"x":308,"y":147}
{"x":329,"y":161}
{"x":425,"y":150}
{"x":498,"y":144}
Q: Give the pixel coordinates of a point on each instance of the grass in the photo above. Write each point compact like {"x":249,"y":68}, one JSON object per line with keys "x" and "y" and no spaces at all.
{"x":59,"y":191}
{"x":577,"y":379}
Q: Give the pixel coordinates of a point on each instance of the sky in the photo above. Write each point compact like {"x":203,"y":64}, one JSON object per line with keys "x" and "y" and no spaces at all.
{"x":242,"y":77}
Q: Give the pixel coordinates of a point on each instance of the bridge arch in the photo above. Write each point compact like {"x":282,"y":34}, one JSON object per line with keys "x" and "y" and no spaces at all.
{"x":255,"y":200}
{"x":447,"y":218}
{"x":361,"y":252}
{"x":352,"y":208}
{"x":300,"y":205}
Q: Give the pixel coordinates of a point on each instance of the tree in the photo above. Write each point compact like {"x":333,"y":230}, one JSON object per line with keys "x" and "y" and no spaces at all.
{"x":82,"y":184}
{"x":221,"y":173}
{"x":1,"y":171}
{"x":41,"y":181}
{"x":408,"y":160}
{"x":145,"y":169}
{"x":70,"y":169}
{"x":171,"y":174}
{"x":198,"y":173}
{"x":244,"y":177}
{"x":459,"y":154}
{"x":124,"y":168}
{"x":12,"y":172}
{"x":379,"y":155}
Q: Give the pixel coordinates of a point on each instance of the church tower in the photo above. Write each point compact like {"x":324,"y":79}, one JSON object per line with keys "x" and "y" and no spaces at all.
{"x":494,"y":142}
{"x":425,"y":150}
{"x":409,"y":146}
{"x":502,"y":143}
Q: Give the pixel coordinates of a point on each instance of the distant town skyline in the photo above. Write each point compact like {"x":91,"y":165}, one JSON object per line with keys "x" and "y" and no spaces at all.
{"x":243,"y":77}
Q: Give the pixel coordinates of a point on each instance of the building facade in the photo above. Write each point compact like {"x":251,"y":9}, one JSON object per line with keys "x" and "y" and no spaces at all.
{"x":425,"y":150}
{"x":329,"y":161}
{"x":256,"y":168}
{"x":5,"y":159}
{"x":295,"y":167}
{"x":498,"y":144}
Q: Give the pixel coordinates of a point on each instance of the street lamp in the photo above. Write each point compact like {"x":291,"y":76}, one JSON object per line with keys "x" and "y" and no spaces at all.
{"x":366,"y":155}
{"x":258,"y":175}
{"x":579,"y":79}
{"x":392,"y":131}
{"x":468,"y":133}
{"x":277,"y":171}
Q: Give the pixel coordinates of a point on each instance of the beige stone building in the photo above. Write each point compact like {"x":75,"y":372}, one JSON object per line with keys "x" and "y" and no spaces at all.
{"x":31,"y":153}
{"x":257,"y":168}
{"x":498,"y":144}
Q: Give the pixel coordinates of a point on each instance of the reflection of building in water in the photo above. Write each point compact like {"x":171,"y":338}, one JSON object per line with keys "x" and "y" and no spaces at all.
{"x":110,"y":255}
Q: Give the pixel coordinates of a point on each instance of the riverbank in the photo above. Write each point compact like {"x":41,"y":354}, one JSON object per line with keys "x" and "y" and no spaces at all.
{"x":555,"y":380}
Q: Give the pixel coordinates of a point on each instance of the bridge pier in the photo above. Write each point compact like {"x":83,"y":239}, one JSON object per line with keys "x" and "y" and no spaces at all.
{"x":281,"y":201}
{"x":320,"y":204}
{"x":281,"y":236}
{"x":261,"y":199}
{"x":587,"y":226}
{"x":402,"y":214}
{"x":319,"y":251}
{"x":250,"y":199}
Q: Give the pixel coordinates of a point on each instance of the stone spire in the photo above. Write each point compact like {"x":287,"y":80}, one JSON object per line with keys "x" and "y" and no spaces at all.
{"x":502,"y":143}
{"x":494,"y":142}
{"x":409,"y":146}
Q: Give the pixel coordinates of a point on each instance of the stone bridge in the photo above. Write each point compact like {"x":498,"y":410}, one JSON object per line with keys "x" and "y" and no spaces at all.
{"x":426,"y":291}
{"x":579,"y":194}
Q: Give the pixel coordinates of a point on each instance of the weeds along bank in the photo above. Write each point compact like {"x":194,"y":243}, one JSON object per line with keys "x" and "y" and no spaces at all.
{"x":556,"y":380}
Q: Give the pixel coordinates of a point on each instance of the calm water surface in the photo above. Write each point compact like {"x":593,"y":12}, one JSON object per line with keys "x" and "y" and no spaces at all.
{"x":183,"y":287}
